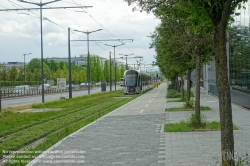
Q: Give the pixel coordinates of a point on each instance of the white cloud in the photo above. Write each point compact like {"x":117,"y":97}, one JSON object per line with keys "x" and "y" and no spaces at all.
{"x":22,"y":32}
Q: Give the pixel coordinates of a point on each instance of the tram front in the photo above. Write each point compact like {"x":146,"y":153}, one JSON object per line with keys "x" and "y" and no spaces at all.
{"x":130,"y":82}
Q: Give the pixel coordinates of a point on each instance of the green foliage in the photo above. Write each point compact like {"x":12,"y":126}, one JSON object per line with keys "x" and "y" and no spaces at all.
{"x":242,"y":160}
{"x":189,"y":104}
{"x":52,"y":70}
{"x":170,"y":86}
{"x":202,"y":108}
{"x":184,"y":126}
{"x":177,"y":127}
{"x":197,"y":121}
{"x":173,"y":94}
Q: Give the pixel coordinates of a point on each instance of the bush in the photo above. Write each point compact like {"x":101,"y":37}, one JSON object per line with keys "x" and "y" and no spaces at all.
{"x":189,"y":104}
{"x":170,"y":86}
{"x":197,"y":121}
{"x":173,"y":93}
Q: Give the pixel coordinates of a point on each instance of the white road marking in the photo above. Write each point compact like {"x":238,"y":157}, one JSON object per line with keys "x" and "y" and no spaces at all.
{"x":141,"y":111}
{"x":146,"y":105}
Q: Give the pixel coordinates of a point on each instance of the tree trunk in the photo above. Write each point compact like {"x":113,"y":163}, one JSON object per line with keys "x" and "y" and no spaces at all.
{"x":197,"y":91}
{"x":177,"y":84}
{"x":182,"y":88}
{"x":226,"y":122}
{"x":188,"y":84}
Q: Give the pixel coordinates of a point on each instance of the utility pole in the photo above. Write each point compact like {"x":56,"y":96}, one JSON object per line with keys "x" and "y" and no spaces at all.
{"x":114,"y":59}
{"x":139,"y":62}
{"x":41,"y":8}
{"x":89,"y":73}
{"x":110,"y":73}
{"x":69,"y":65}
{"x":24,"y":72}
{"x":0,"y":98}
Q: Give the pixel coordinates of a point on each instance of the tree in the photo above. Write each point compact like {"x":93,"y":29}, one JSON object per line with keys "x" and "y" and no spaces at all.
{"x":34,"y":64}
{"x":107,"y":71}
{"x":13,"y":73}
{"x":3,"y":73}
{"x":219,"y":12}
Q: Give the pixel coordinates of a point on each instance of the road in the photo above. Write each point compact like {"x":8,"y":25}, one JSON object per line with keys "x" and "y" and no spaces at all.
{"x":23,"y":100}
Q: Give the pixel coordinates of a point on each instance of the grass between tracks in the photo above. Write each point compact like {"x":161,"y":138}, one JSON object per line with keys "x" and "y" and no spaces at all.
{"x":20,"y":129}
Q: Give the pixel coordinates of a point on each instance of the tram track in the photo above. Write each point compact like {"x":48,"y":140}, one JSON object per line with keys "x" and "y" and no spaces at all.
{"x":25,"y":127}
{"x":99,"y":108}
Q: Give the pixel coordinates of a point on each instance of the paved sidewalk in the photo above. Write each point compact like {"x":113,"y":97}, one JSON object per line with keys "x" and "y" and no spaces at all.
{"x":203,"y":148}
{"x":129,"y":136}
{"x":133,"y":136}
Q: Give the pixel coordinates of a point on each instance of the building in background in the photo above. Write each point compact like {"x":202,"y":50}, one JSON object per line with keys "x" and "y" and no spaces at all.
{"x":238,"y":60}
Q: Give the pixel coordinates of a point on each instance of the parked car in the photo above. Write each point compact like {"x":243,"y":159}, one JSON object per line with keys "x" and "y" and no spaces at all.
{"x":46,"y":87}
{"x":85,"y":84}
{"x":72,"y":85}
{"x":97,"y":83}
{"x":22,"y":89}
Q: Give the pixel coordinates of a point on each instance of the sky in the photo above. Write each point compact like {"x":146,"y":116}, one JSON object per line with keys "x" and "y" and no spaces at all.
{"x":20,"y":30}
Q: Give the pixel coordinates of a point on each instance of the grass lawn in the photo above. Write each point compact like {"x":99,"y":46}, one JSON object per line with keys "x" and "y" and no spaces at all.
{"x":183,"y":126}
{"x":174,"y":109}
{"x":176,"y":100}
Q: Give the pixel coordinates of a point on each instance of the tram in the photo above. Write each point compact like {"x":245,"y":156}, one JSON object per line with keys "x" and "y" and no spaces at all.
{"x":135,"y":82}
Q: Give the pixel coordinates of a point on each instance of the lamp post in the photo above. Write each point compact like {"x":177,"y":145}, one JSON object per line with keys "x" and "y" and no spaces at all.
{"x":49,"y":60}
{"x":114,"y":59}
{"x":126,"y":59}
{"x":24,"y":66}
{"x":41,"y":28}
{"x":89,"y":78}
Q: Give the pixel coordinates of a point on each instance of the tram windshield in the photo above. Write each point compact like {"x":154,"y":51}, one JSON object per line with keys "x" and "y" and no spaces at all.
{"x":131,"y":78}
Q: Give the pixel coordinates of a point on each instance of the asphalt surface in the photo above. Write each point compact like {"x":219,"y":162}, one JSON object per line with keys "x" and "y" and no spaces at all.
{"x":30,"y":99}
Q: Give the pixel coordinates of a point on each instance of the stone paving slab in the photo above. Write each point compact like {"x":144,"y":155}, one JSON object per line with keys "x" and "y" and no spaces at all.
{"x":116,"y":140}
{"x":203,"y":148}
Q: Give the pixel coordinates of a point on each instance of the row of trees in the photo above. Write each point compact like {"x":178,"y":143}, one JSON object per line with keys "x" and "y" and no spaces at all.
{"x":191,"y":31}
{"x":100,"y":71}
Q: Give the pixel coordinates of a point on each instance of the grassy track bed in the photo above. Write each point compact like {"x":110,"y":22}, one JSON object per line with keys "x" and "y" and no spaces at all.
{"x":11,"y":128}
{"x":22,"y":121}
{"x":25,"y":137}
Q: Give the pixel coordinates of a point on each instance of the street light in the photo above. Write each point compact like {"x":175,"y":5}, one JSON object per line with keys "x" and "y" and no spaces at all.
{"x":87,"y":32}
{"x":24,"y":66}
{"x":126,"y":59}
{"x":41,"y":29}
{"x":114,"y":59}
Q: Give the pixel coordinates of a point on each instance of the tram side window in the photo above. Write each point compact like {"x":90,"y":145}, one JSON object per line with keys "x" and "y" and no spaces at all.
{"x":139,"y":81}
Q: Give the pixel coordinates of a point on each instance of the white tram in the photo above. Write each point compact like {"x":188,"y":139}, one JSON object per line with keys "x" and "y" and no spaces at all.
{"x":136,"y":82}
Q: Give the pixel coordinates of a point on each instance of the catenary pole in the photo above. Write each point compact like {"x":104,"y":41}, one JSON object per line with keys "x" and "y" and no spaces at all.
{"x":89,"y":66}
{"x":69,"y":64}
{"x":114,"y":59}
